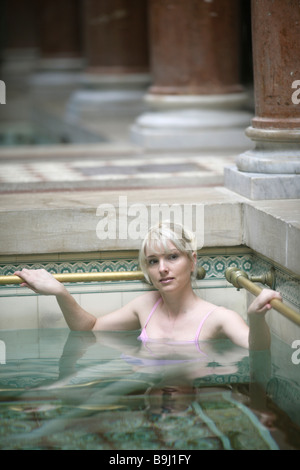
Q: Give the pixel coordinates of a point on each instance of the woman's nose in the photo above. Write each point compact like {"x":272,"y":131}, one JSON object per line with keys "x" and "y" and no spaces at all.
{"x":162,"y":266}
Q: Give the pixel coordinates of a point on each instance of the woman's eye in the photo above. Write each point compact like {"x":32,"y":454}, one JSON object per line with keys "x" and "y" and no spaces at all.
{"x":152,"y":261}
{"x":173,"y":256}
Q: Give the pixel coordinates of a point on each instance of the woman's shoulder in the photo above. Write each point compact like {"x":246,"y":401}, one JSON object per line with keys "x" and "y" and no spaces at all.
{"x":144,"y":303}
{"x":147,"y":298}
{"x":216,"y":313}
{"x":220,"y":310}
{"x":224,"y":317}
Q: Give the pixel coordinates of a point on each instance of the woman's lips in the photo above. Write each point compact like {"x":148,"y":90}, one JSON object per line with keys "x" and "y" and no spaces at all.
{"x":166,"y":280}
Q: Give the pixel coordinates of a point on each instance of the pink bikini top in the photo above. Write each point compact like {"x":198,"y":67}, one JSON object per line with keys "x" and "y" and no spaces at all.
{"x":144,"y":337}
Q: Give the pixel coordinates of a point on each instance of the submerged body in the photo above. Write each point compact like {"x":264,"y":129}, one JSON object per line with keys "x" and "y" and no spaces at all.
{"x":92,"y":403}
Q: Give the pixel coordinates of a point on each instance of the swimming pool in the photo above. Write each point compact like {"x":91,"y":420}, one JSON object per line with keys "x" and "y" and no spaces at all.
{"x":63,"y":390}
{"x":101,"y":391}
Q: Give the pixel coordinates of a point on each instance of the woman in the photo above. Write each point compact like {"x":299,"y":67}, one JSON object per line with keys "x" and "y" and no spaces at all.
{"x":171,"y":313}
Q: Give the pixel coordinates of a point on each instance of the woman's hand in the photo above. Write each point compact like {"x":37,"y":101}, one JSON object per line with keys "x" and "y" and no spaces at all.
{"x":261,"y":304}
{"x":40,"y":281}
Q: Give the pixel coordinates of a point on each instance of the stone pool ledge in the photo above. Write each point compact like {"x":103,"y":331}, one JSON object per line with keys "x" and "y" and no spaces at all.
{"x":66,"y":221}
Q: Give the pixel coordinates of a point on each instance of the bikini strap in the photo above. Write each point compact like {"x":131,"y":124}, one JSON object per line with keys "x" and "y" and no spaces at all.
{"x":202,"y":323}
{"x":152,"y":311}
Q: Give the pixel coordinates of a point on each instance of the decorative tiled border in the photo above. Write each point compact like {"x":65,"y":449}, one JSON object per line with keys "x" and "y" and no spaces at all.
{"x":215,"y":261}
{"x":73,"y":267}
{"x":286,"y":283}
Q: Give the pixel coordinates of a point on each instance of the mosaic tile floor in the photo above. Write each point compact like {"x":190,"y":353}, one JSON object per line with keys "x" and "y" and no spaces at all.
{"x":130,"y":172}
{"x":103,"y":157}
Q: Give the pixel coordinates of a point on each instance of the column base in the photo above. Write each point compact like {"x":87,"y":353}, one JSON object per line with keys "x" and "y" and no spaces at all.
{"x":60,"y":64}
{"x":230,"y":101}
{"x":191,"y":129}
{"x":57,"y":74}
{"x":104,"y":80}
{"x":18,"y":65}
{"x":276,"y":151}
{"x":258,"y":186}
{"x":107,"y":94}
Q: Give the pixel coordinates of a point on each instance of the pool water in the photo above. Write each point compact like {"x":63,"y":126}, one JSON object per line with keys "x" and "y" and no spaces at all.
{"x":105,"y":391}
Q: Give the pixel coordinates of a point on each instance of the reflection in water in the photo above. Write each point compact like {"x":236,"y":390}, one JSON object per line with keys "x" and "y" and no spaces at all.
{"x":109,"y":392}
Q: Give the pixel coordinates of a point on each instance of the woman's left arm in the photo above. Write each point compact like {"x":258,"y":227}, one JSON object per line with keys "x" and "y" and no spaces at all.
{"x":259,"y":333}
{"x":256,"y":335}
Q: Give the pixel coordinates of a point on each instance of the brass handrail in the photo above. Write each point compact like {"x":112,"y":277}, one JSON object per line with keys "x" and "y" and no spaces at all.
{"x":240,"y":279}
{"x":83,"y":277}
{"x":91,"y":277}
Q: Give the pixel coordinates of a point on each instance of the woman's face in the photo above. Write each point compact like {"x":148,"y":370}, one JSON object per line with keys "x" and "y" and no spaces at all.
{"x":168,"y":270}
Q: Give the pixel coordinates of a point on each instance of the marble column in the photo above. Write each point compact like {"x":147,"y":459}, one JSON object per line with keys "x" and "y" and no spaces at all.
{"x":116,"y":43}
{"x":116,"y":74}
{"x":196,"y":95}
{"x":59,"y":34}
{"x":18,"y":39}
{"x":271,"y":170}
{"x":18,"y":57}
{"x":116,"y":36}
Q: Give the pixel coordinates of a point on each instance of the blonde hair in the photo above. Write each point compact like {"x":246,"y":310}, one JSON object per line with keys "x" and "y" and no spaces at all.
{"x":167,"y":231}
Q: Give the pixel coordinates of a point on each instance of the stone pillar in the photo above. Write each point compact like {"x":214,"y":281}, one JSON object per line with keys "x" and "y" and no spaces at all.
{"x":59,"y":34}
{"x":18,"y":22}
{"x":116,"y":75}
{"x":18,"y":57}
{"x":18,"y":39}
{"x":194,"y":47}
{"x":116,"y":36}
{"x":116,"y":43}
{"x":271,"y":170}
{"x":195,"y":63}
